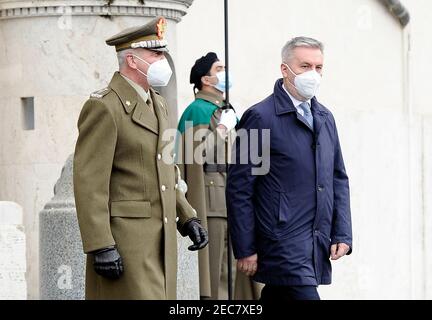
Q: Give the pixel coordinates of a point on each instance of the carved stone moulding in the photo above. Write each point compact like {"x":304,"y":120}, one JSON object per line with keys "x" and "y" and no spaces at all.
{"x":173,"y":9}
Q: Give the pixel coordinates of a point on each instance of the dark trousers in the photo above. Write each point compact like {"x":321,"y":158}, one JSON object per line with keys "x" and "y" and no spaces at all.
{"x":288,"y":293}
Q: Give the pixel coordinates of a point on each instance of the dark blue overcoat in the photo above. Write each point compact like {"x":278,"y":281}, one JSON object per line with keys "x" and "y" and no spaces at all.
{"x":291,"y":215}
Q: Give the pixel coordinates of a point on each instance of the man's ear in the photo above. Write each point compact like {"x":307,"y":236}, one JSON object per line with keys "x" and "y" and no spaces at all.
{"x":131,"y":62}
{"x":205,"y":81}
{"x":284,"y":70}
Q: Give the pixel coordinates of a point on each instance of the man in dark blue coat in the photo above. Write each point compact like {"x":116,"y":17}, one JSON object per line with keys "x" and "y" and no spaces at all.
{"x":288,"y":222}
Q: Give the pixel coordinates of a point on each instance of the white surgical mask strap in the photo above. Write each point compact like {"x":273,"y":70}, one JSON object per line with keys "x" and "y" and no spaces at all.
{"x":142,"y":61}
{"x":214,"y":76}
{"x":290,"y":69}
{"x":286,"y":64}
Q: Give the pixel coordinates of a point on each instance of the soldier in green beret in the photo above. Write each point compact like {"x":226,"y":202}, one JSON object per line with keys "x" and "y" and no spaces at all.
{"x":128,"y":198}
{"x":212,"y":124}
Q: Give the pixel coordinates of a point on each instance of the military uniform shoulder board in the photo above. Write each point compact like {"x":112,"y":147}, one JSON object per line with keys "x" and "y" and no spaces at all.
{"x":100,"y":93}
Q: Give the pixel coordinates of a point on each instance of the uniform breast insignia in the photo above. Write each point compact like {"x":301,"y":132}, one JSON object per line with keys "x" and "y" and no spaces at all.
{"x":100,"y":93}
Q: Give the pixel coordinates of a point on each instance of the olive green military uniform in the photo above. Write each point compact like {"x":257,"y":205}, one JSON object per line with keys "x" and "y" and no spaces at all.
{"x":126,"y":192}
{"x":126,"y":195}
{"x":206,"y":178}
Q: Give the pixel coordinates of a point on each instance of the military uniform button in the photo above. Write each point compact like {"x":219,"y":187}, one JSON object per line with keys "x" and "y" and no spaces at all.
{"x":176,"y":186}
{"x":177,"y":219}
{"x":159,"y":156}
{"x":211,"y":182}
{"x":128,"y":103}
{"x":166,"y":220}
{"x":163,"y":187}
{"x":174,"y":155}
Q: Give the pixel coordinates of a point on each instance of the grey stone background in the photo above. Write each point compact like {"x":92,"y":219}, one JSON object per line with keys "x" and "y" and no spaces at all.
{"x":62,"y":261}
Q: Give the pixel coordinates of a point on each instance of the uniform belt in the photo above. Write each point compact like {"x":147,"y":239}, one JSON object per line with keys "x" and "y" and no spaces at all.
{"x":214,"y":167}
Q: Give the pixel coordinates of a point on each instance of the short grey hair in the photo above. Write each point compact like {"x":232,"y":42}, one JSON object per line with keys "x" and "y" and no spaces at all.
{"x":121,"y":56}
{"x":287,"y":50}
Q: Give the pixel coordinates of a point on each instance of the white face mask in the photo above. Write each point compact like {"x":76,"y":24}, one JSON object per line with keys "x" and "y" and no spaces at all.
{"x":158,"y":73}
{"x":307,"y":83}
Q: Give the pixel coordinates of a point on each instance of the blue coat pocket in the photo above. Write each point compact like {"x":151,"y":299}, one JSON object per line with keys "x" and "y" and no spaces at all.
{"x":283,"y":214}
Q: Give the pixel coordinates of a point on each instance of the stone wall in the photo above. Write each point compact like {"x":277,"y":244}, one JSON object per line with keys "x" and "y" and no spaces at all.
{"x":376,"y":83}
{"x":12,"y":253}
{"x":62,"y":261}
{"x":54,"y":51}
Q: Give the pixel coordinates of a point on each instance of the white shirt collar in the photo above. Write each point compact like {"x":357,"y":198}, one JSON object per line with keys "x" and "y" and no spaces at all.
{"x":296,"y":102}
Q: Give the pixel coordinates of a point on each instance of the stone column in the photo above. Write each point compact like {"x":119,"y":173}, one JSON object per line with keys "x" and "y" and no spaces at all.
{"x":62,"y":261}
{"x":52,"y":56}
{"x":12,"y":253}
{"x":187,"y":271}
{"x":61,"y":257}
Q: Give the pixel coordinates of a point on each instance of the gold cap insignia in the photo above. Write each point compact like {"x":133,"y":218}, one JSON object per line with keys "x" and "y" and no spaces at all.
{"x":161,"y":26}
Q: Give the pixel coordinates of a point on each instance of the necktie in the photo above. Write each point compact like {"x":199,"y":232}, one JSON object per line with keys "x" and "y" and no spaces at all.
{"x":150,"y":104}
{"x":307,"y":113}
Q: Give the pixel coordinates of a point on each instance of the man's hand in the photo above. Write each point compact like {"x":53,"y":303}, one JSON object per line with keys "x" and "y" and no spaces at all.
{"x":197,"y":234}
{"x":338,"y":250}
{"x":221,"y":130}
{"x":228,"y":119}
{"x":108,"y":263}
{"x":248,"y":265}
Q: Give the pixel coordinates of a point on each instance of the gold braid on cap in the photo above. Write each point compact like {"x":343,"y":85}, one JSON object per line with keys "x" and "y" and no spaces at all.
{"x":143,"y":42}
{"x":149,"y":44}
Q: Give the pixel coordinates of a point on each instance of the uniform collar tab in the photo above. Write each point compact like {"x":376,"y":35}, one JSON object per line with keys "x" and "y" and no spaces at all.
{"x":213,"y":98}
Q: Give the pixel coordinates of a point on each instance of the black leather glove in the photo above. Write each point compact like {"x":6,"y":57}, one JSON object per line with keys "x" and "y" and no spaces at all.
{"x":196,"y":233}
{"x":108,"y":263}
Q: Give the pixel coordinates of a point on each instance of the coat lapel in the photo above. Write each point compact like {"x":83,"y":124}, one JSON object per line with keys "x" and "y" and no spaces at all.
{"x":126,"y":94}
{"x":283,"y":104}
{"x":131,"y":101}
{"x":143,"y":116}
{"x":161,"y":112}
{"x":303,"y":120}
{"x":319,"y":115}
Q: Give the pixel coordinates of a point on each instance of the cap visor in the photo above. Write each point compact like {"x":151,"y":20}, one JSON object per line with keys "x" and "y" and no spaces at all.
{"x":164,"y":49}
